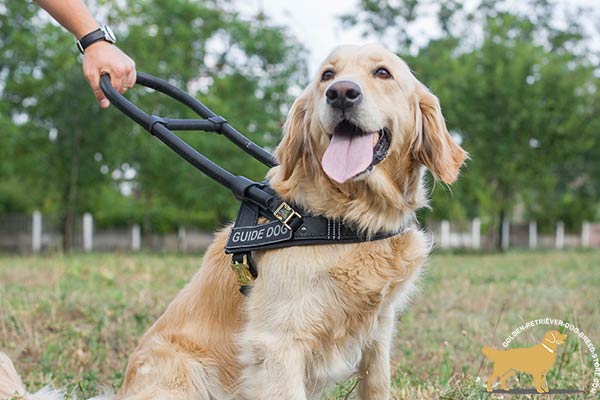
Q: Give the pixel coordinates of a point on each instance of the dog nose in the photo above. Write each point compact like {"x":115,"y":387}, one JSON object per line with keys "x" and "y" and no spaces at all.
{"x":343,"y":95}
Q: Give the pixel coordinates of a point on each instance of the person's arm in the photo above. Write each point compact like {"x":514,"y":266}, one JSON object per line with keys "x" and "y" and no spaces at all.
{"x":100,"y":57}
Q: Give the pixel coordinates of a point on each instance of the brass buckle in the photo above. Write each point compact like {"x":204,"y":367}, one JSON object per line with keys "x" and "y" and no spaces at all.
{"x":242,"y":271}
{"x":285,"y":213}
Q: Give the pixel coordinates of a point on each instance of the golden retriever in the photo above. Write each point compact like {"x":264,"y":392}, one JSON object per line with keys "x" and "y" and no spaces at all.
{"x":354,"y":147}
{"x":536,"y":361}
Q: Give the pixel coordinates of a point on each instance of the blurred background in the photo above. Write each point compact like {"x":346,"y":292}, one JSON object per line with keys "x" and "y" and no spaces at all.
{"x":518,"y":83}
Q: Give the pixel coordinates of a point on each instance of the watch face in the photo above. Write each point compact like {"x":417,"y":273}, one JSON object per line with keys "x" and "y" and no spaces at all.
{"x":108,"y":34}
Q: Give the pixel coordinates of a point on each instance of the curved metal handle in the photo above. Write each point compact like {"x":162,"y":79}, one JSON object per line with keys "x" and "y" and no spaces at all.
{"x":215,"y":122}
{"x":242,"y":187}
{"x":124,"y":105}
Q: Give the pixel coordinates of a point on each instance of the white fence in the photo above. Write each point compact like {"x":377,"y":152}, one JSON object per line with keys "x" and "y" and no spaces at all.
{"x":35,"y":233}
{"x":448,"y":235}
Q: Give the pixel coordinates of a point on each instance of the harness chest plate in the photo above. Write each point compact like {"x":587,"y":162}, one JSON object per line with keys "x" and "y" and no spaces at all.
{"x":286,"y":226}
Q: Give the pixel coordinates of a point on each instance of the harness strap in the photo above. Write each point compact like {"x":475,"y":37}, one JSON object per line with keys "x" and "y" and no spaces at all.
{"x":313,"y":230}
{"x":288,"y":225}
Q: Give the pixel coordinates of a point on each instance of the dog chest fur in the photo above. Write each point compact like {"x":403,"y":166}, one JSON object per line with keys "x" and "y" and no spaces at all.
{"x":327,"y":303}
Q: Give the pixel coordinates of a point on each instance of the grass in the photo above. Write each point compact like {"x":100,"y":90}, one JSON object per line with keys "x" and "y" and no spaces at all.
{"x":73,"y":320}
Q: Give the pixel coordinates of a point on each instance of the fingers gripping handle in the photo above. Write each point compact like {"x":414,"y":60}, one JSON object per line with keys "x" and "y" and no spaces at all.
{"x":124,"y":105}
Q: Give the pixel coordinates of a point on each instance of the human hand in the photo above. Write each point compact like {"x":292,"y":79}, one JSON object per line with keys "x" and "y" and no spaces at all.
{"x":103,"y":57}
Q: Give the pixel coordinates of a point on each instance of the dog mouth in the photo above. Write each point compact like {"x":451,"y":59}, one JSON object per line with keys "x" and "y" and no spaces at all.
{"x":353,"y":151}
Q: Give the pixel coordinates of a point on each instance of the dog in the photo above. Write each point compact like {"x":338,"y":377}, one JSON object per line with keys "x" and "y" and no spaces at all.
{"x":535,"y":361}
{"x":355,"y":146}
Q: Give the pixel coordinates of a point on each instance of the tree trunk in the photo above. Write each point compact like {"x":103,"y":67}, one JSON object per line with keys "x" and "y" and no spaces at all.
{"x":147,"y":224}
{"x":68,"y":220}
{"x":501,"y":216}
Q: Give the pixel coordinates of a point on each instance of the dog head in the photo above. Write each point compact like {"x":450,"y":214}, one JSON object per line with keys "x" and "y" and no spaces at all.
{"x":554,"y":338}
{"x":365,"y":125}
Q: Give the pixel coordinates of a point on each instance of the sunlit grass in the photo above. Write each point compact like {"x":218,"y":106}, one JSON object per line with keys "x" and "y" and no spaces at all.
{"x":73,"y":320}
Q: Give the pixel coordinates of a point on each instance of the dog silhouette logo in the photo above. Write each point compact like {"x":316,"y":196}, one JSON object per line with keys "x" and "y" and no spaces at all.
{"x":536,"y":361}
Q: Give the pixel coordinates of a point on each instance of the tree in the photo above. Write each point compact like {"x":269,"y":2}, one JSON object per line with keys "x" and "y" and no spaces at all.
{"x":73,"y":157}
{"x":242,"y":69}
{"x":520,"y":96}
{"x":60,"y":130}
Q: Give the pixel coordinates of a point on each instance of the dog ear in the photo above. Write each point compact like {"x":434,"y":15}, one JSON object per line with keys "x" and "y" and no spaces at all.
{"x":290,"y":151}
{"x":433,"y":146}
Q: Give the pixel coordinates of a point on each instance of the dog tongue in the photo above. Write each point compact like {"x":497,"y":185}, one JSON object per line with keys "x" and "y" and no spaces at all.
{"x":348,"y":156}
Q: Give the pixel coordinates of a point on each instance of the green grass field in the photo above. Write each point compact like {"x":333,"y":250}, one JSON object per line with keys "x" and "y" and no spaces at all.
{"x":73,"y":320}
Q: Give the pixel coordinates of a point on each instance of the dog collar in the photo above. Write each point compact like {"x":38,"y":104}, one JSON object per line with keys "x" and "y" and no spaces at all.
{"x":288,"y":225}
{"x":548,"y":348}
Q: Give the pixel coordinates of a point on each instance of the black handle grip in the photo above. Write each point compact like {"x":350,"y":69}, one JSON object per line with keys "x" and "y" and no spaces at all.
{"x":148,"y":121}
{"x":241,"y":187}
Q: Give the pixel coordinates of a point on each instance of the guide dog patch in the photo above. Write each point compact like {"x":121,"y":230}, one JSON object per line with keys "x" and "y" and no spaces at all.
{"x":248,"y":236}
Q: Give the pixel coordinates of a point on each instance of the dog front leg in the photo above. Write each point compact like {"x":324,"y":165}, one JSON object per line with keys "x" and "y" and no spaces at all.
{"x":273,"y":372}
{"x":375,"y":363}
{"x":545,"y":381}
{"x":539,"y":380}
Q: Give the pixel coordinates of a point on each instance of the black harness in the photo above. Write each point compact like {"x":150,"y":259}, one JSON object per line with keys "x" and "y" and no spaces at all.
{"x":287,"y":224}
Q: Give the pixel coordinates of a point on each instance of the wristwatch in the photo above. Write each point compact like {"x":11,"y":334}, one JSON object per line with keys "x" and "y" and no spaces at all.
{"x":102,"y":33}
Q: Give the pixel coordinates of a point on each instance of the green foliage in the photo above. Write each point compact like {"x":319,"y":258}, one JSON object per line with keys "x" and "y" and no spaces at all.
{"x":522,"y":97}
{"x":517,"y":88}
{"x":68,"y":156}
{"x":240,"y":68}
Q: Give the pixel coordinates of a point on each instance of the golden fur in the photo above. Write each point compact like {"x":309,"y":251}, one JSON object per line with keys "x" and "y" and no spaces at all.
{"x":536,"y":361}
{"x":316,"y":314}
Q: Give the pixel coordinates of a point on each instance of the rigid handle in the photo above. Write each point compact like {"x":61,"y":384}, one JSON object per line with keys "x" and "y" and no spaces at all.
{"x":212,"y":122}
{"x":242,"y":188}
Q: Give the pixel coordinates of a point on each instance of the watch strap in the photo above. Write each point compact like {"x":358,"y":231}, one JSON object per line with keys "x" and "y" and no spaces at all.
{"x":91,"y":38}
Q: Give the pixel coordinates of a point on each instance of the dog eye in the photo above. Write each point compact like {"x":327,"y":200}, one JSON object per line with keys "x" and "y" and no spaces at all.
{"x":383,"y":73}
{"x":327,"y":75}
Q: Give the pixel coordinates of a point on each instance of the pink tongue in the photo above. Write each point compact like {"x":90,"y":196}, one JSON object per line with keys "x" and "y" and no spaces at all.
{"x":348,"y":156}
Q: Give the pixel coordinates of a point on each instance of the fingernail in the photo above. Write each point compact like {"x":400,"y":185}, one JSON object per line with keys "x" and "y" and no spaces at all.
{"x":104,"y":103}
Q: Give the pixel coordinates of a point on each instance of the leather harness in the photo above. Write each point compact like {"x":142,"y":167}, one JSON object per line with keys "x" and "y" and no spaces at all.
{"x":287,"y":224}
